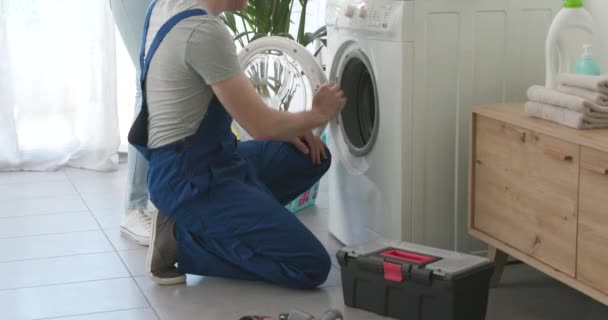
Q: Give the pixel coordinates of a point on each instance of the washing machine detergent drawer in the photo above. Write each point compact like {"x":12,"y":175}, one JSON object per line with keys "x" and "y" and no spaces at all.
{"x":413,"y":282}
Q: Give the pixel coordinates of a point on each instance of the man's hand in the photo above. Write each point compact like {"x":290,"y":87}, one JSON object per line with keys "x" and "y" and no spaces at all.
{"x":311,"y":144}
{"x":328,"y":101}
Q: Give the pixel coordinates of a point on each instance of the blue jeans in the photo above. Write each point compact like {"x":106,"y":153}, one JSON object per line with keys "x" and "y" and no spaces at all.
{"x":130,"y":16}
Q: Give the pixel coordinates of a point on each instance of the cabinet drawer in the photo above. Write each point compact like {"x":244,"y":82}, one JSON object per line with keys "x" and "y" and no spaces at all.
{"x":525,"y":191}
{"x":593,"y":220}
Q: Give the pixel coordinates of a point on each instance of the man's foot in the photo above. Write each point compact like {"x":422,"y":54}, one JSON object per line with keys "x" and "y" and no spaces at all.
{"x":162,"y":253}
{"x":137,"y":225}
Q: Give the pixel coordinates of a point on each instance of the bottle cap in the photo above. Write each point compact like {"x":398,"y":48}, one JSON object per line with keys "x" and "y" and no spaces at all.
{"x":587,"y":51}
{"x":573,"y":3}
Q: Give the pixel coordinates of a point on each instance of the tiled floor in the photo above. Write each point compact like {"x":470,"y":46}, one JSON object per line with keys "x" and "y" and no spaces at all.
{"x":62,"y":257}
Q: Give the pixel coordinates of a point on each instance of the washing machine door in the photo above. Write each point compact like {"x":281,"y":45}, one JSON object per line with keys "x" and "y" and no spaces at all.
{"x":355,"y":130}
{"x":284,"y":73}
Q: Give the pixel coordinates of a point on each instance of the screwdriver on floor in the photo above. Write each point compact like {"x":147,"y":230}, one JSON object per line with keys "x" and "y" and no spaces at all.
{"x":331,"y":314}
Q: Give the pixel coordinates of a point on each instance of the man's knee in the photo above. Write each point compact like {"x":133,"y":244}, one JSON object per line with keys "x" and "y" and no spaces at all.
{"x":324,"y":267}
{"x":319,"y":269}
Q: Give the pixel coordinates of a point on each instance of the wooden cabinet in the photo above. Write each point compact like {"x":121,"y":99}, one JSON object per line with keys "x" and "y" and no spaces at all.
{"x":527,"y":188}
{"x":539,"y":192}
{"x":593,"y":220}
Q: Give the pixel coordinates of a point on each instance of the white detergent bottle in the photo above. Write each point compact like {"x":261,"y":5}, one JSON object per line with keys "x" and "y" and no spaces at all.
{"x":572,"y":27}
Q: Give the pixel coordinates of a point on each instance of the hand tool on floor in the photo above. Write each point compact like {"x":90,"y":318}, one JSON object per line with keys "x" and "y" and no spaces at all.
{"x":331,"y":314}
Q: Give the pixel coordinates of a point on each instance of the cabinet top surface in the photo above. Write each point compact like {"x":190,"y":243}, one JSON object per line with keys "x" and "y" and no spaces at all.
{"x":513,"y":113}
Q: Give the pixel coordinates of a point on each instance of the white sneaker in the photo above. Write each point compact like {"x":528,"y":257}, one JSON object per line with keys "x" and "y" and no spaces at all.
{"x":137,"y":225}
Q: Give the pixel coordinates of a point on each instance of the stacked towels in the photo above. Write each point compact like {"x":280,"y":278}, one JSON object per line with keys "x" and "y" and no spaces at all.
{"x":580,"y":102}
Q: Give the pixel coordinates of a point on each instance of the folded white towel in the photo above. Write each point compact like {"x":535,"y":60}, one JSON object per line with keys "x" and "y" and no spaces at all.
{"x":593,"y":83}
{"x":596,"y":115}
{"x":593,"y":96}
{"x":562,"y":116}
{"x":560,"y":99}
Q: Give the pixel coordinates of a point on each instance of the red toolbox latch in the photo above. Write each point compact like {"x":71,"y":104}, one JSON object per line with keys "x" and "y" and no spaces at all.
{"x":400,"y":265}
{"x":393,"y":272}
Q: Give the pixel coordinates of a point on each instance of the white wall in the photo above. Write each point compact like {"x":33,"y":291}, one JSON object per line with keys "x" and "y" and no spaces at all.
{"x":599,"y":9}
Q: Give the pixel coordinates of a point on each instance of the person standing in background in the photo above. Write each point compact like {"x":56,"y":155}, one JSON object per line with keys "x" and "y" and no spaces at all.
{"x":129,"y":16}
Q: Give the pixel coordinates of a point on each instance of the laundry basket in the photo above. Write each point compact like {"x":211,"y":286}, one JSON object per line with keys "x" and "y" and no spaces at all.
{"x":309,"y":197}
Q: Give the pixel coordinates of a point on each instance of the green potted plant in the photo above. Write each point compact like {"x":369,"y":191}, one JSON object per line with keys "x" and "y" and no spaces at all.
{"x":271,"y":18}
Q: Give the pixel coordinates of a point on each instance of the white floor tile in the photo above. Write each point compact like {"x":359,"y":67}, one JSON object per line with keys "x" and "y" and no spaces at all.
{"x":337,"y":302}
{"x":31,"y":177}
{"x":228,"y":299}
{"x":119,"y":241}
{"x":47,"y":224}
{"x":334,"y":279}
{"x":71,"y":299}
{"x":109,"y":219}
{"x":42,"y":272}
{"x":194,"y":313}
{"x":56,"y":245}
{"x":82,"y":174}
{"x":94,"y":186}
{"x":44,"y":205}
{"x":135,"y":261}
{"x":34,"y":190}
{"x":105,"y":201}
{"x":219,"y":298}
{"x":98,"y":182}
{"x":134,"y":314}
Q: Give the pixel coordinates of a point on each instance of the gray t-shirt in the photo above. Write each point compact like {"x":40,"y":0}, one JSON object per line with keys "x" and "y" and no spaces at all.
{"x":196,"y":53}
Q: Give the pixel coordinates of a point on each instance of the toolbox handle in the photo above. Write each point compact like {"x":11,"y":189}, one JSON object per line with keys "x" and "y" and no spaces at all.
{"x":407,"y":256}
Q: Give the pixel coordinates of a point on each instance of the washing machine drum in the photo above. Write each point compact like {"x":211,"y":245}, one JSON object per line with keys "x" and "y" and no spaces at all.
{"x":284,"y":74}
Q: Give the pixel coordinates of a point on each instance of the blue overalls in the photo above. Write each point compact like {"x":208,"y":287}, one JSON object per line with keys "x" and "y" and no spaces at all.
{"x":227,"y":198}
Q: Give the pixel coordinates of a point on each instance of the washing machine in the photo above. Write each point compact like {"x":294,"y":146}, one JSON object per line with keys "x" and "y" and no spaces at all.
{"x":411,"y":71}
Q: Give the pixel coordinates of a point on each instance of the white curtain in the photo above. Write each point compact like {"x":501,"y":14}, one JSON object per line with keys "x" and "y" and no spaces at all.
{"x":57,"y":85}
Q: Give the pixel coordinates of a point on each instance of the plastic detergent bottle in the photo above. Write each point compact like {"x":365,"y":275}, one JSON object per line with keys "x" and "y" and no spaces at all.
{"x":572,"y":27}
{"x":587,"y":64}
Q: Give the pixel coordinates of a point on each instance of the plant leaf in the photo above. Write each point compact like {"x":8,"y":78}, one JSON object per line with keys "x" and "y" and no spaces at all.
{"x":258,"y":36}
{"x":245,"y":16}
{"x":243,"y":34}
{"x":318,"y":51}
{"x":286,"y":35}
{"x":230,"y":21}
{"x":321,"y":32}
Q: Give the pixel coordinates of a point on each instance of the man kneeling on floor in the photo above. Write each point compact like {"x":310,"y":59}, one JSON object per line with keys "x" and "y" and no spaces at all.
{"x":221,"y":203}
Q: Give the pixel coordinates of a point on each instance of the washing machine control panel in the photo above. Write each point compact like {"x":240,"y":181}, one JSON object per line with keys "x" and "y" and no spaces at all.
{"x":374,"y":15}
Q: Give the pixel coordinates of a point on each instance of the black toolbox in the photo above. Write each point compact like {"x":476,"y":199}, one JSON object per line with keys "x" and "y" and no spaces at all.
{"x":414,"y":282}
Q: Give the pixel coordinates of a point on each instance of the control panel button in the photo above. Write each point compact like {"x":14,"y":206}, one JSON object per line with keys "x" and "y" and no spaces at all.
{"x":363,"y":11}
{"x":350,"y":11}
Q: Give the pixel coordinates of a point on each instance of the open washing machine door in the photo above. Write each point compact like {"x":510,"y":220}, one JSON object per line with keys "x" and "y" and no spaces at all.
{"x":284,"y":73}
